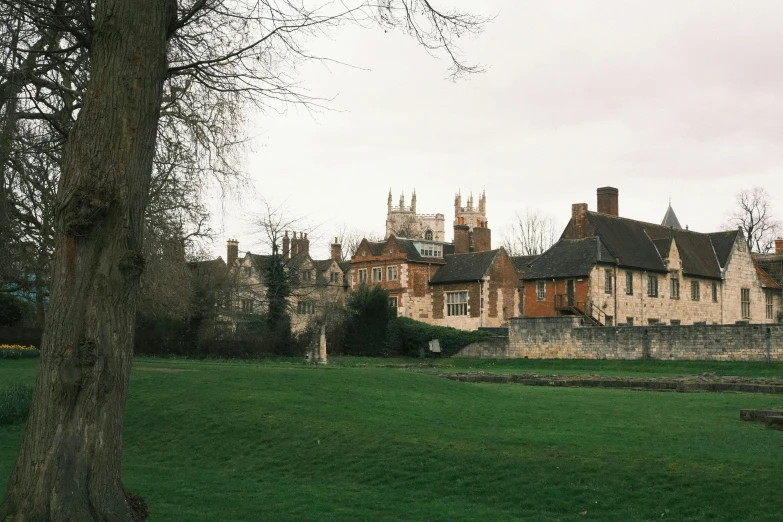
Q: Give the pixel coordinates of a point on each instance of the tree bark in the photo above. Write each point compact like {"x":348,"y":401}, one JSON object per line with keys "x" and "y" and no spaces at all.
{"x":69,"y":465}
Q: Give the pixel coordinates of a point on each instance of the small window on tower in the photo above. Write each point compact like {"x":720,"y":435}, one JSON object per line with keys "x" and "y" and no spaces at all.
{"x":428,"y":235}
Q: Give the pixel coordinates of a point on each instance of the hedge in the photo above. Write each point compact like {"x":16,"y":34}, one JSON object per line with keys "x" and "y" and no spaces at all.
{"x":406,"y":337}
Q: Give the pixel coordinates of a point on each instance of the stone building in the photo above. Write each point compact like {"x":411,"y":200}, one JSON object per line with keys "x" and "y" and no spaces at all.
{"x":615,"y":270}
{"x":318,"y":286}
{"x":405,"y":221}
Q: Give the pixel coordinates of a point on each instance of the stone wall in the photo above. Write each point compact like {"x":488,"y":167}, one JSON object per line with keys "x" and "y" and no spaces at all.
{"x":566,"y":338}
{"x":492,"y":349}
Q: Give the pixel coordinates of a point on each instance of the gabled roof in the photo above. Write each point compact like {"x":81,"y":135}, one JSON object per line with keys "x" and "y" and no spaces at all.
{"x":299,"y":260}
{"x":408,"y":246}
{"x":259,"y":261}
{"x":521,"y":262}
{"x":569,"y":258}
{"x":345,"y":266}
{"x":663,"y":246}
{"x":638,"y":245}
{"x":209,"y":268}
{"x":628,"y":240}
{"x":375,"y":247}
{"x":723,"y":242}
{"x":323,"y":265}
{"x":670,"y":219}
{"x":465,"y":267}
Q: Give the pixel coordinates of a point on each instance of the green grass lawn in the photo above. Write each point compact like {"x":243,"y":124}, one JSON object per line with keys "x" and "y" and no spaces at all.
{"x":221,"y":441}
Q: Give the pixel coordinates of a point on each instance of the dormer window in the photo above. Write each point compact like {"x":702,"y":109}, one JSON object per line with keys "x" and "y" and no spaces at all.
{"x":430,"y":250}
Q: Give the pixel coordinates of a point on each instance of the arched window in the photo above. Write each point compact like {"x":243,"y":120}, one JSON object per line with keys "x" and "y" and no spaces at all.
{"x":428,"y":235}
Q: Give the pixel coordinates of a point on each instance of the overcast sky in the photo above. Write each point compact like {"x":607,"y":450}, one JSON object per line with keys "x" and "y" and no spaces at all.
{"x":659,"y":99}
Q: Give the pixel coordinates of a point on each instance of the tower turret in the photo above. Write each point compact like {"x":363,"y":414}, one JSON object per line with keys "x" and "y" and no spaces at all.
{"x":402,"y":200}
{"x":389,"y":202}
{"x":413,"y":201}
{"x":483,"y":202}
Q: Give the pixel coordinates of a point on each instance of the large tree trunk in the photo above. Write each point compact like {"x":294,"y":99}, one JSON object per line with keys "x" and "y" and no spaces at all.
{"x":69,"y":465}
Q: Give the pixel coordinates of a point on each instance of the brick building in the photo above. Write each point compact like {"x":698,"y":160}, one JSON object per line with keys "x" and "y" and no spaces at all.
{"x":615,"y":270}
{"x":464,"y":284}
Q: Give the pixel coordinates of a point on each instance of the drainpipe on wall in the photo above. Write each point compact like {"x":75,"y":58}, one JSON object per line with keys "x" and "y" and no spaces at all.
{"x":641,"y":293}
{"x":481,"y":302}
{"x":617,"y":262}
{"x":722,"y":284}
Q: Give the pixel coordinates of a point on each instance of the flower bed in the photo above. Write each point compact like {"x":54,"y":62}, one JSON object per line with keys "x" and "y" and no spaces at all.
{"x":17,"y":351}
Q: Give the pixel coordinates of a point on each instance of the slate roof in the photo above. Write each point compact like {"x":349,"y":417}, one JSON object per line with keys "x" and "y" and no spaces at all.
{"x":209,"y":265}
{"x":345,"y":266}
{"x":465,"y":267}
{"x":637,"y":245}
{"x":322,"y":265}
{"x":670,"y":219}
{"x":295,"y":261}
{"x":259,"y":261}
{"x":521,"y":262}
{"x":723,"y":242}
{"x":766,"y":280}
{"x":663,"y":246}
{"x":376,"y":248}
{"x":569,"y":258}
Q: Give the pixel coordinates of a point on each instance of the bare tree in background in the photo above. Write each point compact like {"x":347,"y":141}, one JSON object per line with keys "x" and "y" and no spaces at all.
{"x":753,"y":215}
{"x":350,"y":239}
{"x":532,"y":233}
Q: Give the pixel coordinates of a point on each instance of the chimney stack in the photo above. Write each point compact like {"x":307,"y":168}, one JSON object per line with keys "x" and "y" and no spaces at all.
{"x":578,"y":228}
{"x":286,"y":246}
{"x":461,"y":239}
{"x":232,"y":252}
{"x":337,"y":251}
{"x":607,"y":201}
{"x":481,"y":238}
{"x":779,"y":245}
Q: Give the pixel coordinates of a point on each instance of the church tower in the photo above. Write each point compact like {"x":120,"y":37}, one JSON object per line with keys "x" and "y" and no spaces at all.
{"x":471,"y":228}
{"x":406,"y":222}
{"x":471,"y":216}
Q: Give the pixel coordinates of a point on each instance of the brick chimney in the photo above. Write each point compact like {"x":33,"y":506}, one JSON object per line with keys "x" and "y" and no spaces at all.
{"x":607,"y":201}
{"x":286,"y":246}
{"x":337,"y":250}
{"x":481,"y":238}
{"x":461,"y":239}
{"x":304,"y":244}
{"x":578,"y":228}
{"x":779,"y":245}
{"x":232,"y":252}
